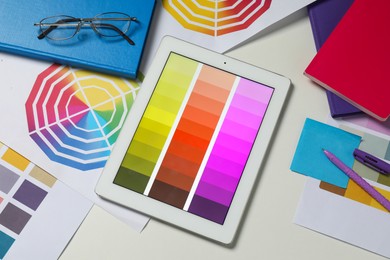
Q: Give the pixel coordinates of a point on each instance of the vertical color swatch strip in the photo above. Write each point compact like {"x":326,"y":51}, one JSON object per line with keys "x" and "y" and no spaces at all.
{"x":156,"y":123}
{"x":21,"y":196}
{"x":226,"y":163}
{"x":379,"y":147}
{"x":192,"y":136}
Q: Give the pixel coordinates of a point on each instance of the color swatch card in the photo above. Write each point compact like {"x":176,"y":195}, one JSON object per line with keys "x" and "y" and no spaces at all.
{"x":38,"y":213}
{"x":350,"y":214}
{"x":379,"y":147}
{"x":66,"y":121}
{"x":369,"y":123}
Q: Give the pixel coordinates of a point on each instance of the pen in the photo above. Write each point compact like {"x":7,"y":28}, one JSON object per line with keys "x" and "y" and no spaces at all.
{"x":358,"y":180}
{"x":371,"y":161}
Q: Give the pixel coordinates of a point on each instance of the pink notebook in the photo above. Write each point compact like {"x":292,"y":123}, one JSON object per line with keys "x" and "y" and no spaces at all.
{"x":354,"y":62}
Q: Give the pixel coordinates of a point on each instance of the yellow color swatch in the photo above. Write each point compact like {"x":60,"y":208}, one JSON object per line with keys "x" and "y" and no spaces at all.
{"x":15,"y":159}
{"x":376,"y":204}
{"x":355,"y":192}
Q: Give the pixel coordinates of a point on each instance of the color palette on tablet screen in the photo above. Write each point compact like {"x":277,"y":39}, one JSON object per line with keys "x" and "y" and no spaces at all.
{"x":193,"y":141}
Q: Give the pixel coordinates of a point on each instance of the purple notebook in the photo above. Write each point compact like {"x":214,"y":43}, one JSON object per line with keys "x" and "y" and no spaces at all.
{"x":324,"y":15}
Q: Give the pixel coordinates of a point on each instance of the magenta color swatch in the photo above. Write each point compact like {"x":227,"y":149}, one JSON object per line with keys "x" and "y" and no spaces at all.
{"x":231,"y":150}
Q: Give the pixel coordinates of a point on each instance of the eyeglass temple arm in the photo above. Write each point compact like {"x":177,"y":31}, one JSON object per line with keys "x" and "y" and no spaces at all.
{"x":54,"y":26}
{"x":110,"y":26}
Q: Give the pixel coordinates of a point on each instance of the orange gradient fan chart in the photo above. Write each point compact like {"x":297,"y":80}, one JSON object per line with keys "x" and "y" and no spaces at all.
{"x":216,"y":17}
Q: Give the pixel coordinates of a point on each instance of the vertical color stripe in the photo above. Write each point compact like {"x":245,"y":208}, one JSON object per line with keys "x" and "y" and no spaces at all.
{"x":154,"y":127}
{"x":226,"y":163}
{"x":200,"y":117}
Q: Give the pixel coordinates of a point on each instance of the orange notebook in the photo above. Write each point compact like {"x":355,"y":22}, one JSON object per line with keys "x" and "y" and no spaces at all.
{"x":354,"y":62}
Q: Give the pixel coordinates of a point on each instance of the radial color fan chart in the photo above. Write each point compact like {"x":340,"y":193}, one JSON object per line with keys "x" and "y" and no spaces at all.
{"x":216,"y":17}
{"x":75,"y":116}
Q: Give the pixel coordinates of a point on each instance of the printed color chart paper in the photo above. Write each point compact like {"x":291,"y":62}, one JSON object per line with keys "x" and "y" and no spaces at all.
{"x":216,"y":17}
{"x":38,"y":213}
{"x":75,"y":116}
{"x":218,"y":25}
{"x":350,"y":214}
{"x":379,"y":147}
{"x":193,"y":141}
{"x":66,"y":121}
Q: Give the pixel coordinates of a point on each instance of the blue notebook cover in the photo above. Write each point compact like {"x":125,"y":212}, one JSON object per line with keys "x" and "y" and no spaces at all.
{"x":87,"y":50}
{"x":324,"y":15}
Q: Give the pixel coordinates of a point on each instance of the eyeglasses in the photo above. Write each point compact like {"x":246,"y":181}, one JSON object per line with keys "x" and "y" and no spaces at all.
{"x":63,"y":27}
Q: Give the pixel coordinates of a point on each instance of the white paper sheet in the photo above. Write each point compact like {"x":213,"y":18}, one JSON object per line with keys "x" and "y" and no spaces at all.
{"x":344,"y":217}
{"x":18,"y":77}
{"x":38,"y":214}
{"x":168,"y":23}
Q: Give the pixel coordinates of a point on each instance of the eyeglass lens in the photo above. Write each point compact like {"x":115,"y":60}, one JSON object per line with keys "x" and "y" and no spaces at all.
{"x":119,"y":20}
{"x":63,"y":30}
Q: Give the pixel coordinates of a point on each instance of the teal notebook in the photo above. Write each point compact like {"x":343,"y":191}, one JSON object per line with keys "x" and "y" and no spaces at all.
{"x":87,"y":50}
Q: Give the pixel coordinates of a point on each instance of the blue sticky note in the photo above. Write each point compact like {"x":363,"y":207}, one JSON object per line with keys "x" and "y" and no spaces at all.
{"x":309,"y":158}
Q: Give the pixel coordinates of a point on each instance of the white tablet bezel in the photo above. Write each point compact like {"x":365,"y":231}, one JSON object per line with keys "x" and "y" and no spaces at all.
{"x":223,"y":233}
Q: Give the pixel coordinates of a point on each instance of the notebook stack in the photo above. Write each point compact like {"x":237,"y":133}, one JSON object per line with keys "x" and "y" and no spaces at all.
{"x":352,"y":40}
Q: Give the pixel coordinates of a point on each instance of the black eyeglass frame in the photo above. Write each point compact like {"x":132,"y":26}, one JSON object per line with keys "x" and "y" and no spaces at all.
{"x":91,"y":21}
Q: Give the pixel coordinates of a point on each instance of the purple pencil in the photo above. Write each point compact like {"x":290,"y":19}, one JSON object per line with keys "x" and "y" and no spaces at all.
{"x":359,"y":180}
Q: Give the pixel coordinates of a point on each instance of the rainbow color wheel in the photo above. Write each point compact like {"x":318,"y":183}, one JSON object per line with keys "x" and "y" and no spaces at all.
{"x":75,"y":116}
{"x":216,"y":17}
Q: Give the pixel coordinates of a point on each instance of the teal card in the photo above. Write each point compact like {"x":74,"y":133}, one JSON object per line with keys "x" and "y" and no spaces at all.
{"x":309,"y":158}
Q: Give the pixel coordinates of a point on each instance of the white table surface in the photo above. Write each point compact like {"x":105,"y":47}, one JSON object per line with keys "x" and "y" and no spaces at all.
{"x":268,"y":231}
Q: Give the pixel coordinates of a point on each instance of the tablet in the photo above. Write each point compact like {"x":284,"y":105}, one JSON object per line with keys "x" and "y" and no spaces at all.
{"x":194,"y":140}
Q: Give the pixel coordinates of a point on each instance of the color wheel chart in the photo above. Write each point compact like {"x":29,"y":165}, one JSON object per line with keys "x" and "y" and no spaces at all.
{"x":75,"y":116}
{"x":379,"y":147}
{"x":193,"y":141}
{"x":216,"y":17}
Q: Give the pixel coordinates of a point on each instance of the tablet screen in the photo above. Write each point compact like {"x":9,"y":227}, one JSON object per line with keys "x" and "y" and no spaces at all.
{"x":193,"y":141}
